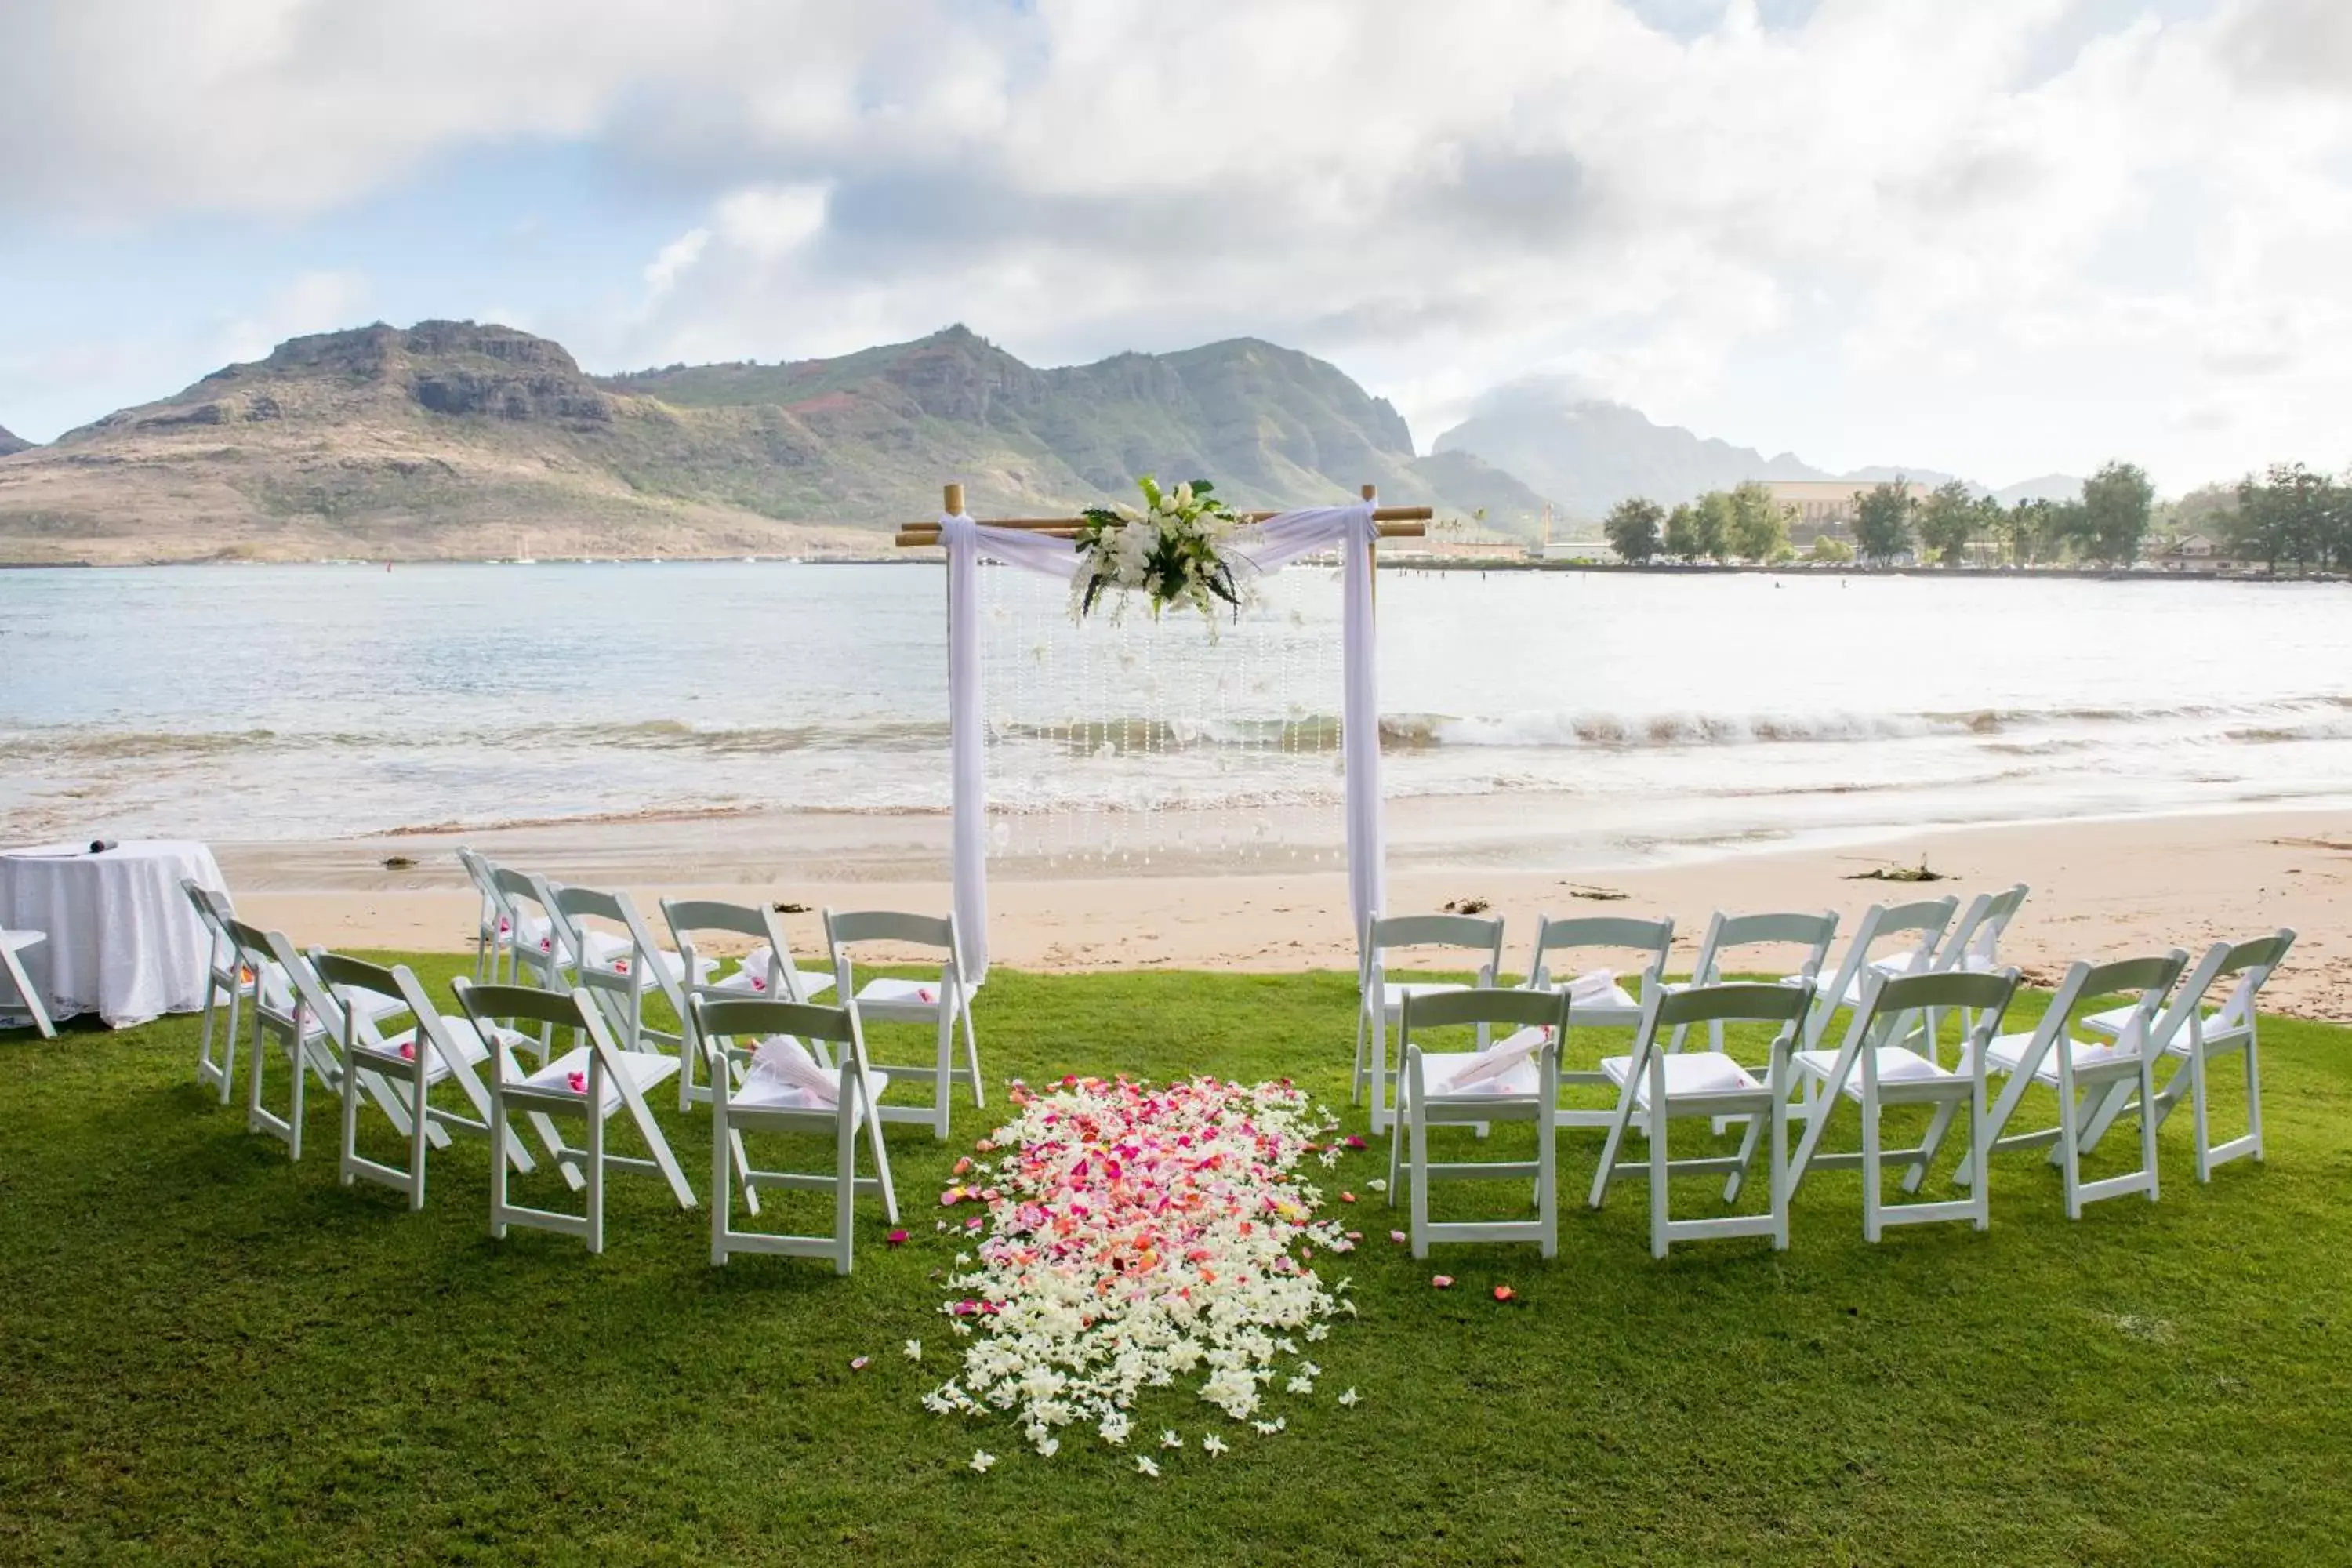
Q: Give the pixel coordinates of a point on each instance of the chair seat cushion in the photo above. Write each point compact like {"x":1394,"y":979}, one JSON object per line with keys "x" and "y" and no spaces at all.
{"x":761,"y":1092}
{"x":748,"y":981}
{"x":2007,"y":1051}
{"x":1689,"y":1074}
{"x":462,"y":1035}
{"x":906,"y":996}
{"x":645,"y":1068}
{"x":2115,"y":1020}
{"x":1895,"y":1065}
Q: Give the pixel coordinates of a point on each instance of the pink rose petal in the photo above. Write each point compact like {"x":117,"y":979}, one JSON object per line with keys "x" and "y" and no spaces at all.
{"x":1441,"y":1281}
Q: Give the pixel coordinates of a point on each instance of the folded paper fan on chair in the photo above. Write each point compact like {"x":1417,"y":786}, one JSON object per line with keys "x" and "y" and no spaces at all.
{"x":1600,"y":985}
{"x":1499,"y":1057}
{"x":785,"y":1060}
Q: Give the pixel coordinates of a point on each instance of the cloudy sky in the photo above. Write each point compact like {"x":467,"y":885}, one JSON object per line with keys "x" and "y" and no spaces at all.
{"x":1999,"y":236}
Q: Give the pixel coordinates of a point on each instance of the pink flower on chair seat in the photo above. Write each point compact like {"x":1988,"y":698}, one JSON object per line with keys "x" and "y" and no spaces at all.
{"x":408,"y":1050}
{"x":579,"y":1083}
{"x":758,"y":983}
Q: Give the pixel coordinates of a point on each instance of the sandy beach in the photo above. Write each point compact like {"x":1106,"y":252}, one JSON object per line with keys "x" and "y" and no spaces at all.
{"x":2101,"y":888}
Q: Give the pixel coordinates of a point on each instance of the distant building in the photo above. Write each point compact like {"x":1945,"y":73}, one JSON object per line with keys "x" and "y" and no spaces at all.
{"x":1576,"y":550}
{"x":1825,"y":506}
{"x":2194,"y":553}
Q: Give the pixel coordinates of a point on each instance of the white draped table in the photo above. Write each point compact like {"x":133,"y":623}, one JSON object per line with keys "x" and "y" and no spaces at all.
{"x":124,"y":942}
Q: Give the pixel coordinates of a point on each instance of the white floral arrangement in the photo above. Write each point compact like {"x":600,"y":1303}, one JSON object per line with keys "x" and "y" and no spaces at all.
{"x":1171,"y":551}
{"x":1135,"y":1236}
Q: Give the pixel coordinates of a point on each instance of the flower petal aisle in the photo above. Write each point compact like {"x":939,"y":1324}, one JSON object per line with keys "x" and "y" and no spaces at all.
{"x":1135,"y":1236}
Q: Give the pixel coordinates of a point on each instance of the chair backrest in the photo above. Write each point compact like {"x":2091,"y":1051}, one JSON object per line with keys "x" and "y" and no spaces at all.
{"x":2085,"y":984}
{"x":1655,"y":938}
{"x":213,"y":910}
{"x":1483,"y":1004}
{"x":1924,"y":921}
{"x":561,"y":1009}
{"x":341,"y":973}
{"x":846,"y":928}
{"x":521,"y":893}
{"x":1470,"y":933}
{"x":2251,"y":962}
{"x":687,"y":917}
{"x":726,"y":1019}
{"x":1731,"y":1002}
{"x":1773,"y":928}
{"x":477,"y":871}
{"x":1974,"y":940}
{"x":1890,"y":1002}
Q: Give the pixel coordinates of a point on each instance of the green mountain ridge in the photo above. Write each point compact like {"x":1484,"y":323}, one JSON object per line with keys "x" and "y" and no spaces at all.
{"x":453,"y":438}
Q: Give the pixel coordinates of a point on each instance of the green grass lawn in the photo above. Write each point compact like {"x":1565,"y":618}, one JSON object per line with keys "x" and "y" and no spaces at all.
{"x":210,"y":1354}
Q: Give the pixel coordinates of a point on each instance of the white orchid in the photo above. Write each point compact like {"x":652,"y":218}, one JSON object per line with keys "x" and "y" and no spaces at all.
{"x":981,"y":1459}
{"x":1348,"y":1398}
{"x":913,"y":1349}
{"x":1144,"y":1464}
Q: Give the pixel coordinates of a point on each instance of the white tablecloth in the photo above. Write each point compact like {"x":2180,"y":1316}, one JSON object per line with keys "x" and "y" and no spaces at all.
{"x":124,"y":942}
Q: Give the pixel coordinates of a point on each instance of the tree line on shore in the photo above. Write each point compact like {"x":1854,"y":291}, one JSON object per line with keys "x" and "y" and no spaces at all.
{"x":2290,"y":515}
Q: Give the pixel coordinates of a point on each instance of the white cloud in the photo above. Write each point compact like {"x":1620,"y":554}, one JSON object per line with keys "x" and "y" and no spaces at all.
{"x":2005,"y":236}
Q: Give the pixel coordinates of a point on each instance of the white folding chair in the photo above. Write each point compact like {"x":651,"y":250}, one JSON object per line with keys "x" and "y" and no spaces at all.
{"x":11,"y":969}
{"x":632,"y":963}
{"x":592,"y":1082}
{"x":432,"y":1051}
{"x":494,"y":932}
{"x":1727,"y":934}
{"x":225,"y":977}
{"x":943,"y":1002}
{"x":1658,"y":1087}
{"x":2079,"y":1073}
{"x":2188,"y":1031}
{"x":1600,"y":998}
{"x":1875,"y":1072}
{"x":1516,"y":1079}
{"x":538,"y":953}
{"x":766,"y":973}
{"x":1380,"y":1001}
{"x":291,"y":1007}
{"x":1924,"y":923}
{"x":808,"y":1094}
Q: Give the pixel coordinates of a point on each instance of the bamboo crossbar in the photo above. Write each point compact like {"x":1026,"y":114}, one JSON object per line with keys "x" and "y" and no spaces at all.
{"x":1393,"y":521}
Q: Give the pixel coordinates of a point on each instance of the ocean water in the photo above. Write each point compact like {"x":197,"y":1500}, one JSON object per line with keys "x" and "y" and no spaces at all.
{"x":278,"y":702}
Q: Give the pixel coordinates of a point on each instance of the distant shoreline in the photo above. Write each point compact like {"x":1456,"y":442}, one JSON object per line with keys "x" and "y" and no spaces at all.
{"x":1389,"y":563}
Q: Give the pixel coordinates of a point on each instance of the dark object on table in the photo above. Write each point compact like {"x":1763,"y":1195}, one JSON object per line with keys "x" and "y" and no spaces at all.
{"x":100,"y":845}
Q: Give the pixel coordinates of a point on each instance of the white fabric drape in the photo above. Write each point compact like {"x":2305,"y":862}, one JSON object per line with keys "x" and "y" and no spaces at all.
{"x":1262,"y":547}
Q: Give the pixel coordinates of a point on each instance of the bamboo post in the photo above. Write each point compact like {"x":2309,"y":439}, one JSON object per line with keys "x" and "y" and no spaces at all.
{"x":951,"y":500}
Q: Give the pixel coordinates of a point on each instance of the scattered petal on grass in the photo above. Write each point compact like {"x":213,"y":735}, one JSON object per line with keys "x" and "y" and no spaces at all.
{"x":858,"y":1363}
{"x":1347,"y":1197}
{"x":1441,"y":1281}
{"x":1377,"y":1185}
{"x":913,"y":1349}
{"x":1504,"y":1292}
{"x":1270,"y":1428}
{"x":981,"y":1459}
{"x":1350,"y":1398}
{"x":1169,"y":1440}
{"x":1213,"y":1445}
{"x":1355,"y":1141}
{"x":1144,"y":1464}
{"x":897,"y":1238}
{"x":1399,"y":1236}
